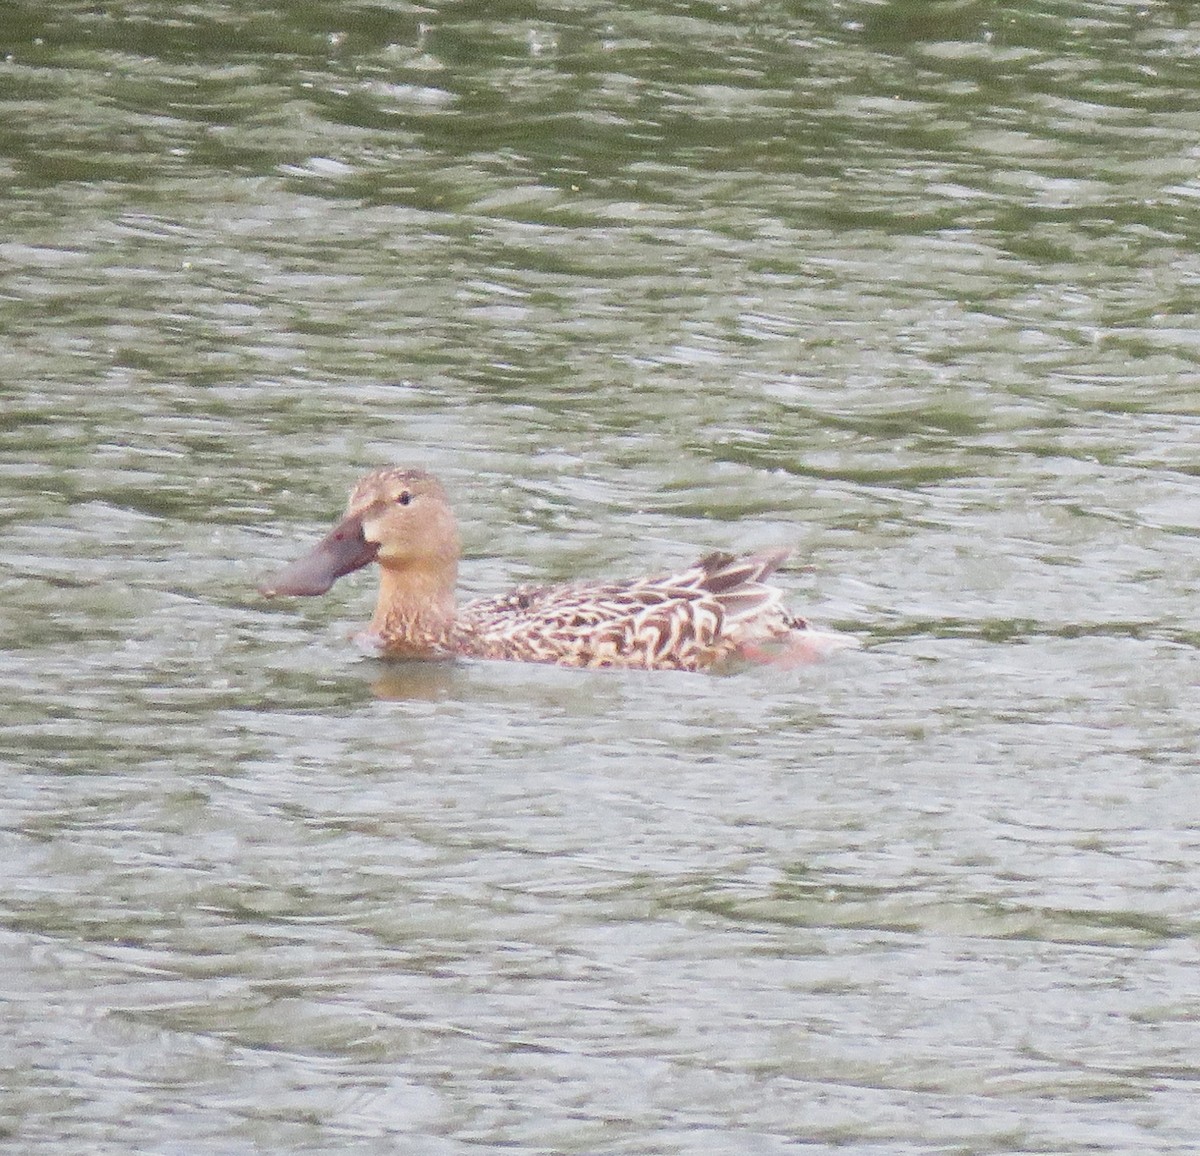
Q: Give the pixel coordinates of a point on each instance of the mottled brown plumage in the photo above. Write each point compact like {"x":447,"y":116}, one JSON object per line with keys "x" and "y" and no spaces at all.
{"x":719,"y":609}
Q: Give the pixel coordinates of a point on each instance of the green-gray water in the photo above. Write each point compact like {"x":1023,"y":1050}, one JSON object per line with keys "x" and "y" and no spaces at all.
{"x":910,"y":287}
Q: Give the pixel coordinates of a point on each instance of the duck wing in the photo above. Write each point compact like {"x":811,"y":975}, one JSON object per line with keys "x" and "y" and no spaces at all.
{"x":683,"y":621}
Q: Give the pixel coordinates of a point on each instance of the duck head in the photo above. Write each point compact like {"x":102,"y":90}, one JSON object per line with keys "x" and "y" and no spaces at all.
{"x":399,"y":518}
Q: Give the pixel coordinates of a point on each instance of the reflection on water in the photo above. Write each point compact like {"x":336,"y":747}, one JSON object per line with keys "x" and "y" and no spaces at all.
{"x":905,"y":287}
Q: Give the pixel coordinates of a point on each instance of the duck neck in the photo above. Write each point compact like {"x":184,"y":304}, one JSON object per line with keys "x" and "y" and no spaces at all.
{"x":414,"y":613}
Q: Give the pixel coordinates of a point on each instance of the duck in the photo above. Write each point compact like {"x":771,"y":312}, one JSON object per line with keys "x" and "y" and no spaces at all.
{"x":720,"y":610}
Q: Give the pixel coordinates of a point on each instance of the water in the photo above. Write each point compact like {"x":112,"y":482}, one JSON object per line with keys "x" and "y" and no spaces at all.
{"x":906,"y":286}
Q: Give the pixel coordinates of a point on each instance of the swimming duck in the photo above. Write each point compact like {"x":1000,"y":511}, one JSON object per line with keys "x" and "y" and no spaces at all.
{"x":719,"y":609}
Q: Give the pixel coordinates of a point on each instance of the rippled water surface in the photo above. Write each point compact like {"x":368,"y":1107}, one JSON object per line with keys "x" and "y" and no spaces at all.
{"x":909,"y":287}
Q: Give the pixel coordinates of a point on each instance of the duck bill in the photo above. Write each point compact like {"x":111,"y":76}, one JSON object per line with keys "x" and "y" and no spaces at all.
{"x":341,"y":551}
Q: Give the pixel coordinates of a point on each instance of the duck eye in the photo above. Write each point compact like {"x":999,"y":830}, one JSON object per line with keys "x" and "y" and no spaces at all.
{"x":404,"y":498}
